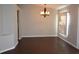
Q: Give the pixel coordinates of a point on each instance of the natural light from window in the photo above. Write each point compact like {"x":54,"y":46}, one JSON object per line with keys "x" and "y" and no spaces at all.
{"x":64,"y":21}
{"x":68,"y":23}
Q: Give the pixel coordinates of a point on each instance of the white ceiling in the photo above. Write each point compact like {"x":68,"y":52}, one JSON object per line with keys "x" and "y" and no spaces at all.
{"x":53,"y":6}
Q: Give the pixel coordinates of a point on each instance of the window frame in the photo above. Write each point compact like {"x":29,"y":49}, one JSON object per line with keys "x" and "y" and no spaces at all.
{"x":67,"y":22}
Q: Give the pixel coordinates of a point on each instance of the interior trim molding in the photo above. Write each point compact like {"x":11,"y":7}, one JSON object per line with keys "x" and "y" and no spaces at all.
{"x":62,"y":7}
{"x":20,"y":38}
{"x":9,"y":48}
{"x":69,"y":43}
{"x":41,"y":36}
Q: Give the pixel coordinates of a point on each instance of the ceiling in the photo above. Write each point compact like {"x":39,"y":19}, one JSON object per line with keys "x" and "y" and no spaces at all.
{"x":53,"y":6}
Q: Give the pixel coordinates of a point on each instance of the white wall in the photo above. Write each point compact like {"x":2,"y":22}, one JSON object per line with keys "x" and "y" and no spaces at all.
{"x":72,"y":37}
{"x":1,"y":26}
{"x":35,"y":25}
{"x":8,"y":35}
{"x":78,"y":29}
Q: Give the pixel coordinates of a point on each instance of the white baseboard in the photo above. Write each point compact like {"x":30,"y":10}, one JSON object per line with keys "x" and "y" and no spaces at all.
{"x":41,"y":36}
{"x":69,"y":43}
{"x":20,"y":38}
{"x":9,"y":48}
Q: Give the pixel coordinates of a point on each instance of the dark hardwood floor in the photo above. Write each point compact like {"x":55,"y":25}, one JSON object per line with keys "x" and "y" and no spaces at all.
{"x":43,"y":45}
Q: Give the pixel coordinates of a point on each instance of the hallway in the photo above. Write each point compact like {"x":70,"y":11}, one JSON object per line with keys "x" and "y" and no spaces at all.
{"x":42,"y":45}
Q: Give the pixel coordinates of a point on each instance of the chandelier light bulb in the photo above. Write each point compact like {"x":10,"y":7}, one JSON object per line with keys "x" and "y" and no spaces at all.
{"x":45,"y":12}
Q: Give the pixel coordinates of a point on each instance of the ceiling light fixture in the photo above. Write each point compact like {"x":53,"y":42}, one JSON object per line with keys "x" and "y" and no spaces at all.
{"x":45,"y":12}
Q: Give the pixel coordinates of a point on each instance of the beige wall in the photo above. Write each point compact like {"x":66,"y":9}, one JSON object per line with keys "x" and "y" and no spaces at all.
{"x":72,"y":37}
{"x":35,"y":25}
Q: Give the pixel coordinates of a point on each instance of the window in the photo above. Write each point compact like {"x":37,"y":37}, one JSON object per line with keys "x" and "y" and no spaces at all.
{"x":64,"y":20}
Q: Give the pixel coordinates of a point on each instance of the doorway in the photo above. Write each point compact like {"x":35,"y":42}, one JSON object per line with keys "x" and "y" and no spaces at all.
{"x":18,"y":24}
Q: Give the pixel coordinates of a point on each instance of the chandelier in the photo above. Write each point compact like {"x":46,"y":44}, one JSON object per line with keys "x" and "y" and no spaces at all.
{"x":45,"y":12}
